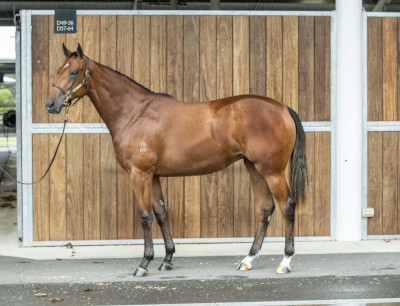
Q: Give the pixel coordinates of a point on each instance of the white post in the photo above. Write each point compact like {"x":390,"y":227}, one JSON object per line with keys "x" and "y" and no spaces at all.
{"x":349,"y":119}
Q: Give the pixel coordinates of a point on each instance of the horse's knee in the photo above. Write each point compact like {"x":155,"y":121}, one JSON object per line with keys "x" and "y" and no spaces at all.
{"x":146,"y":218}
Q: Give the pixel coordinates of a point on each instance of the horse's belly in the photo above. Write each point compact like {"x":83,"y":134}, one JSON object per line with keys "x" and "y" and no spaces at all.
{"x":187,"y":162}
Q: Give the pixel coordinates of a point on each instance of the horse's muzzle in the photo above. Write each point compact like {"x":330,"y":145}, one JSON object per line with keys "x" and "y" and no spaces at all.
{"x":53,"y":107}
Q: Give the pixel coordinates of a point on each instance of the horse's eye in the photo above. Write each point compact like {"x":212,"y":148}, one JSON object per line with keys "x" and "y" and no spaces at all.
{"x":75,"y":72}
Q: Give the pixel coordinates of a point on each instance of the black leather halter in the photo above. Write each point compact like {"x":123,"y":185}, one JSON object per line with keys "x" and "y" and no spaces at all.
{"x":68,"y":94}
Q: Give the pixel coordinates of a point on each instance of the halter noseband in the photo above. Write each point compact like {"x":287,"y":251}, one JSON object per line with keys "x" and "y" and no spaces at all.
{"x":68,"y":94}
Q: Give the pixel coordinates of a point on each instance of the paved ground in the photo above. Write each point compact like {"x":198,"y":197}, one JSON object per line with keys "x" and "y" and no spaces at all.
{"x":323,"y":272}
{"x":200,"y":280}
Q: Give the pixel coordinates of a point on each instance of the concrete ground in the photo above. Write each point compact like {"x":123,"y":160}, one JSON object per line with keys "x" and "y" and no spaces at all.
{"x":366,"y":272}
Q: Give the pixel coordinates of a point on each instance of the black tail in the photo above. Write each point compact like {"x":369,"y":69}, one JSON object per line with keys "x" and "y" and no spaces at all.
{"x":298,"y":161}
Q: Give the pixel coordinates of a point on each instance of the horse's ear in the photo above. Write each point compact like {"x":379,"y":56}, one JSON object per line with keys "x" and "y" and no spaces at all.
{"x":79,"y":50}
{"x":66,"y":51}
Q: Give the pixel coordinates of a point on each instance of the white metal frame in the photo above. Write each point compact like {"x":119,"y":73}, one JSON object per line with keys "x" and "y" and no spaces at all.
{"x":371,"y":126}
{"x":28,"y":128}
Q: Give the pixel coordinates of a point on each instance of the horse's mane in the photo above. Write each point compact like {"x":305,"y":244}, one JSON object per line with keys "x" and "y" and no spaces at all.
{"x":136,"y":83}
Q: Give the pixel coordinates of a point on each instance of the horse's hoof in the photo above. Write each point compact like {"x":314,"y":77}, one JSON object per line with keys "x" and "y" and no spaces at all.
{"x":243,"y":266}
{"x":166,"y":266}
{"x":283,"y":269}
{"x":140,"y":272}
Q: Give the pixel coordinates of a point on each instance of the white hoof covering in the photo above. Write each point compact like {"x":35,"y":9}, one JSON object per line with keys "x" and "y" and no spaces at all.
{"x":245,"y":264}
{"x":284,"y":267}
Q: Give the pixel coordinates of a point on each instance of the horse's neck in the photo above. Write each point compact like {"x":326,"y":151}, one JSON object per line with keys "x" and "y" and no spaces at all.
{"x":115,"y":97}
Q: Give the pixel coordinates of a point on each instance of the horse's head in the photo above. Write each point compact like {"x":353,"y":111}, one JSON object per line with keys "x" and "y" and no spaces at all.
{"x":71,"y":80}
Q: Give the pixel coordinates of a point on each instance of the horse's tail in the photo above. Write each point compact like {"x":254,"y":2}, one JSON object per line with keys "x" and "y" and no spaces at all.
{"x":298,"y":161}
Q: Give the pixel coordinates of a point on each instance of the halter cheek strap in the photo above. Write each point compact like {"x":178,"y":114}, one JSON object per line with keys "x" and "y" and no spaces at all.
{"x":68,"y":94}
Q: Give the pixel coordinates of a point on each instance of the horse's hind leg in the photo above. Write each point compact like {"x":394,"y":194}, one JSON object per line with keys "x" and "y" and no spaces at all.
{"x":280,"y":191}
{"x":263,"y":198}
{"x":162,"y":220}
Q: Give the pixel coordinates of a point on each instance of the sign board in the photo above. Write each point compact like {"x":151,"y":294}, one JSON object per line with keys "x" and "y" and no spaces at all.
{"x":65,"y":21}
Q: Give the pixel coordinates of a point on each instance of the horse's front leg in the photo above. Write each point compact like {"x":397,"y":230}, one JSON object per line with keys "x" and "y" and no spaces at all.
{"x":162,"y":219}
{"x":142,"y":186}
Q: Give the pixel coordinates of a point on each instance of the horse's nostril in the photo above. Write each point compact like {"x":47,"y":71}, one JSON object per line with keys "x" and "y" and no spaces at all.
{"x":50,"y":105}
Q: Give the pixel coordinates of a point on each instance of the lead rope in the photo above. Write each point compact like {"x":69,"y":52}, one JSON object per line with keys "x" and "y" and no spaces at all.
{"x":52,"y":160}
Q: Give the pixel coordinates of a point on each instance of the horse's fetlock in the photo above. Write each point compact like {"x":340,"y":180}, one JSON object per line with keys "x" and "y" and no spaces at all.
{"x":170,"y":250}
{"x":289,"y":250}
{"x":149,"y":255}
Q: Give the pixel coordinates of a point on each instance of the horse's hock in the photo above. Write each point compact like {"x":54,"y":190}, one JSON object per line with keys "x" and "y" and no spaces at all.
{"x":87,"y":197}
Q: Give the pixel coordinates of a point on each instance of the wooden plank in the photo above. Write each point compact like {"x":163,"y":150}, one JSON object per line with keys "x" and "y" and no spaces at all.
{"x":306,"y":208}
{"x":174,"y":56}
{"x":108,"y":167}
{"x":176,"y":207}
{"x":40,"y":198}
{"x":124,"y":189}
{"x":74,"y":192}
{"x":274,"y":57}
{"x":322,"y":198}
{"x":40,"y":68}
{"x":175,"y":197}
{"x":91,"y":47}
{"x":242,"y":210}
{"x":108,"y":187}
{"x":224,"y":89}
{"x":322,"y":68}
{"x":141,"y":53}
{"x":56,"y":59}
{"x":389,"y":183}
{"x":389,"y":73}
{"x":257,"y":47}
{"x":57,"y":175}
{"x":306,"y":68}
{"x":91,"y":186}
{"x":375,"y":78}
{"x":375,"y":181}
{"x":191,"y":93}
{"x":208,"y":91}
{"x":290,"y":61}
{"x":158,"y":51}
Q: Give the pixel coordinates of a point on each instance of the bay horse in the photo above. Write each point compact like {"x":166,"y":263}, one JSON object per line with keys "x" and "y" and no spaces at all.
{"x":155,"y":135}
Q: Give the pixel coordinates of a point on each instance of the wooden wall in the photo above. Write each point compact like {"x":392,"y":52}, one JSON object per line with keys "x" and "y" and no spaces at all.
{"x":194,"y":58}
{"x":383,"y":105}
